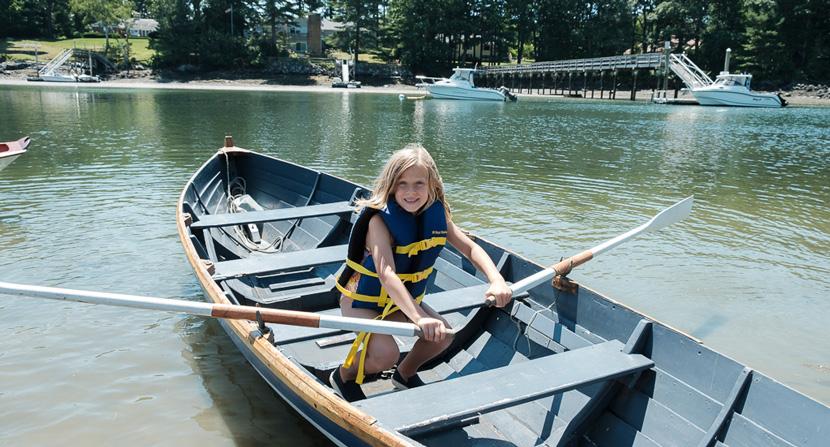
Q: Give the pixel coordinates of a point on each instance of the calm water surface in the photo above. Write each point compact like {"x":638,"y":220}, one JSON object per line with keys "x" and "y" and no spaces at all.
{"x":92,"y":206}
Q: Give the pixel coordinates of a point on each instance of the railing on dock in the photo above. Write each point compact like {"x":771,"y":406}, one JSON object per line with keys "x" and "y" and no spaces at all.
{"x":53,"y":65}
{"x":576,"y":77}
{"x":690,"y":73}
{"x":631,"y":62}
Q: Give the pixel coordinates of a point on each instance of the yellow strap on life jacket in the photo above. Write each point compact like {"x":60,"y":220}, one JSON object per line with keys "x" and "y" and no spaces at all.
{"x":418,"y":246}
{"x":362,"y":339}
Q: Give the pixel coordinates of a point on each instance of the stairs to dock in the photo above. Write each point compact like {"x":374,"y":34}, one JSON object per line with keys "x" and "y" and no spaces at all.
{"x":50,"y":68}
{"x":690,"y":73}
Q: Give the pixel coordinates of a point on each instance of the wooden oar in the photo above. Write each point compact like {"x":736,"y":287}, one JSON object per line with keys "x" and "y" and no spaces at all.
{"x":667,"y":217}
{"x":230,"y":311}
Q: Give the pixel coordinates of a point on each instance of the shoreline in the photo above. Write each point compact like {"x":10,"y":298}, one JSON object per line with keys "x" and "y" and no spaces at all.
{"x":793,"y":98}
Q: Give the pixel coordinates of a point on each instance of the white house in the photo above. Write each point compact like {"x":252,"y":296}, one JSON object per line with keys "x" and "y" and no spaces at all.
{"x":137,"y":27}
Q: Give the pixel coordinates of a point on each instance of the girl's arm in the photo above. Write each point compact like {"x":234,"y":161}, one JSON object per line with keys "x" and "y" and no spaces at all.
{"x":498,"y":288}
{"x":379,"y":243}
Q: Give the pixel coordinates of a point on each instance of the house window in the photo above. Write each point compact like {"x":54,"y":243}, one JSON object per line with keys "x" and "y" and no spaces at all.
{"x":301,"y":47}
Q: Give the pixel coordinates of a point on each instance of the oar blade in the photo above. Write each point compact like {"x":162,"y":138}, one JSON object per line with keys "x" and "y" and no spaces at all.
{"x":668,"y":216}
{"x":672,"y":214}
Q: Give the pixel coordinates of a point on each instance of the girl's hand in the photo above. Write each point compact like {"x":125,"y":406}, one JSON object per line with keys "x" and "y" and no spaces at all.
{"x":499,"y":292}
{"x":432,"y":329}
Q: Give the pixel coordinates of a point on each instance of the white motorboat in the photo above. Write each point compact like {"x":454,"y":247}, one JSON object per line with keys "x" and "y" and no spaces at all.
{"x":730,"y":89}
{"x":733,"y":90}
{"x":461,"y":86}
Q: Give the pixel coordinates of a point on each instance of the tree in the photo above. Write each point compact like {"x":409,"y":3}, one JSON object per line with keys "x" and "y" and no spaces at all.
{"x":356,"y":16}
{"x":764,"y":54}
{"x":109,"y":13}
{"x":723,"y":30}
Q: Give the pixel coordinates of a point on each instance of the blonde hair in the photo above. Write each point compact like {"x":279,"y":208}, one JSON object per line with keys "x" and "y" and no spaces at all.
{"x":411,"y":155}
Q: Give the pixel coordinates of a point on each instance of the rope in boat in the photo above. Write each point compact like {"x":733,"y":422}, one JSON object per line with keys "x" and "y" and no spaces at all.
{"x":237,"y":188}
{"x":530,"y":322}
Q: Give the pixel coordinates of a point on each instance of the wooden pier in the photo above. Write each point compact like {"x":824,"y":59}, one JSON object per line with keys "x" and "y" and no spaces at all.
{"x":576,"y":77}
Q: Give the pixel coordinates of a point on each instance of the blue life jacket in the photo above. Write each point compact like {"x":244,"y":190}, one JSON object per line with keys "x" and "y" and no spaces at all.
{"x":417,"y":241}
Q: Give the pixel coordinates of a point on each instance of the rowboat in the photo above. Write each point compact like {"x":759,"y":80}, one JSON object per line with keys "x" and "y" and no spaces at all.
{"x":10,"y":150}
{"x":561,"y":365}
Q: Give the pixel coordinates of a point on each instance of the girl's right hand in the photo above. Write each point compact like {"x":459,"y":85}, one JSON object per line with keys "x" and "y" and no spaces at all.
{"x":432,"y":329}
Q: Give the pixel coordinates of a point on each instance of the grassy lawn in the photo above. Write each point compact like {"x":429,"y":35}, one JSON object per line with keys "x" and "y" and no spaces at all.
{"x":47,"y":49}
{"x":362,"y":57}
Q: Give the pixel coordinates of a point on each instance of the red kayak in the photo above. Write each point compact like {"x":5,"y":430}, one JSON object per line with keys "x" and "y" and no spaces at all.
{"x":10,"y":150}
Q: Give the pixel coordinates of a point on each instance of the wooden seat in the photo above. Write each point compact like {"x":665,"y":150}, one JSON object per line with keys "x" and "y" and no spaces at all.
{"x":442,"y":404}
{"x":279,"y":262}
{"x":300,"y":212}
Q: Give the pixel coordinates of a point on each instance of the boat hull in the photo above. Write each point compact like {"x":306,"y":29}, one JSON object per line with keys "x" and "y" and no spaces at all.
{"x":736,"y":98}
{"x":469,"y":94}
{"x":11,"y":150}
{"x":676,"y":402}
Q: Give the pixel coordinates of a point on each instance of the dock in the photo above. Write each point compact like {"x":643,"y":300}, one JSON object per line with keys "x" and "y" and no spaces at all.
{"x":578,"y":77}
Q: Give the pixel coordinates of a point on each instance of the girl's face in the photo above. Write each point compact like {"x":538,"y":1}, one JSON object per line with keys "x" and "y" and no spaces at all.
{"x":412,"y":189}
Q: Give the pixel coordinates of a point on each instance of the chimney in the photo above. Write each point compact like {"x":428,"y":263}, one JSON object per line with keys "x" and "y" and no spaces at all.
{"x":314,"y":35}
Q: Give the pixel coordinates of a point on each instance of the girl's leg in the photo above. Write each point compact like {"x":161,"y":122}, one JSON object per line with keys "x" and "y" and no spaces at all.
{"x":423,"y":350}
{"x":382,"y":352}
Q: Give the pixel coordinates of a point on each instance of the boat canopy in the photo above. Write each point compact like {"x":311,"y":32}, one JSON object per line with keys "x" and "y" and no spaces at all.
{"x":733,"y":80}
{"x":463,"y":74}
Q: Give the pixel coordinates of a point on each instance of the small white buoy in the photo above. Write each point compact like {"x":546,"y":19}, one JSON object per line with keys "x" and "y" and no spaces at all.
{"x":401,"y":96}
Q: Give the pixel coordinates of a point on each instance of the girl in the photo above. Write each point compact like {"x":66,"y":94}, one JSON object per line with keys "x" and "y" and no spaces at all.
{"x":398,"y":236}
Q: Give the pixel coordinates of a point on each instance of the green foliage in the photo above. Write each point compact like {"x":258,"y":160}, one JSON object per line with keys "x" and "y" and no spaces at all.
{"x":776,"y":40}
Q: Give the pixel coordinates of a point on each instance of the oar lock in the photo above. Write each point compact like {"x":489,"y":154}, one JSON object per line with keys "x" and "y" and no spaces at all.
{"x":264,"y":330}
{"x":561,"y":281}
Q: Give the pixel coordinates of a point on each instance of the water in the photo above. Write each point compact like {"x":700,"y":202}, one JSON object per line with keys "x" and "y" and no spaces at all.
{"x":92,"y":206}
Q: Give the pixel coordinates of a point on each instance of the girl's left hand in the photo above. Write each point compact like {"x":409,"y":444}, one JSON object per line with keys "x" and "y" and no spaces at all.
{"x":499,"y":292}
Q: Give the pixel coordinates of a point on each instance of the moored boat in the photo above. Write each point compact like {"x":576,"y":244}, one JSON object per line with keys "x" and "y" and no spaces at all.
{"x":560,"y":366}
{"x":730,"y":89}
{"x":10,"y":150}
{"x":461,"y":85}
{"x":734,"y":90}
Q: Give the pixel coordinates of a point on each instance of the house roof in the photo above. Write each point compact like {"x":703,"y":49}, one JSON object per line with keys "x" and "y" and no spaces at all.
{"x":328,"y":25}
{"x":144,"y":24}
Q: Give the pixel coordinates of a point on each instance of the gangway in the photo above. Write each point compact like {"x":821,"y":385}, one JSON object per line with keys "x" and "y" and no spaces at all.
{"x":688,"y":72}
{"x":50,"y":68}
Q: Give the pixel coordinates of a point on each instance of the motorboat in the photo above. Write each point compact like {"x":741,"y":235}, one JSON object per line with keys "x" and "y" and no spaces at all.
{"x":461,"y":86}
{"x":731,"y":89}
{"x":10,"y":150}
{"x":339,"y":83}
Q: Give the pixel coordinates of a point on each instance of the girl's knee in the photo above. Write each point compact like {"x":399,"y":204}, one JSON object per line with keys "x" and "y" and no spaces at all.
{"x":383,"y":353}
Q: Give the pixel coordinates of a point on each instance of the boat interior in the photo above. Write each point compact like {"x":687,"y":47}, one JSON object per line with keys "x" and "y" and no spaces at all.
{"x":559,"y":366}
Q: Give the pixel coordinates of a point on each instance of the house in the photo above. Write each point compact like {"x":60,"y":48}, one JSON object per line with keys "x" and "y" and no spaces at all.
{"x":137,"y":27}
{"x":305,"y":34}
{"x":140,"y":27}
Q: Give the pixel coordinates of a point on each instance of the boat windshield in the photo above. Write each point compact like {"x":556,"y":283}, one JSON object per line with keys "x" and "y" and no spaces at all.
{"x":733,"y":81}
{"x":462,"y":75}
